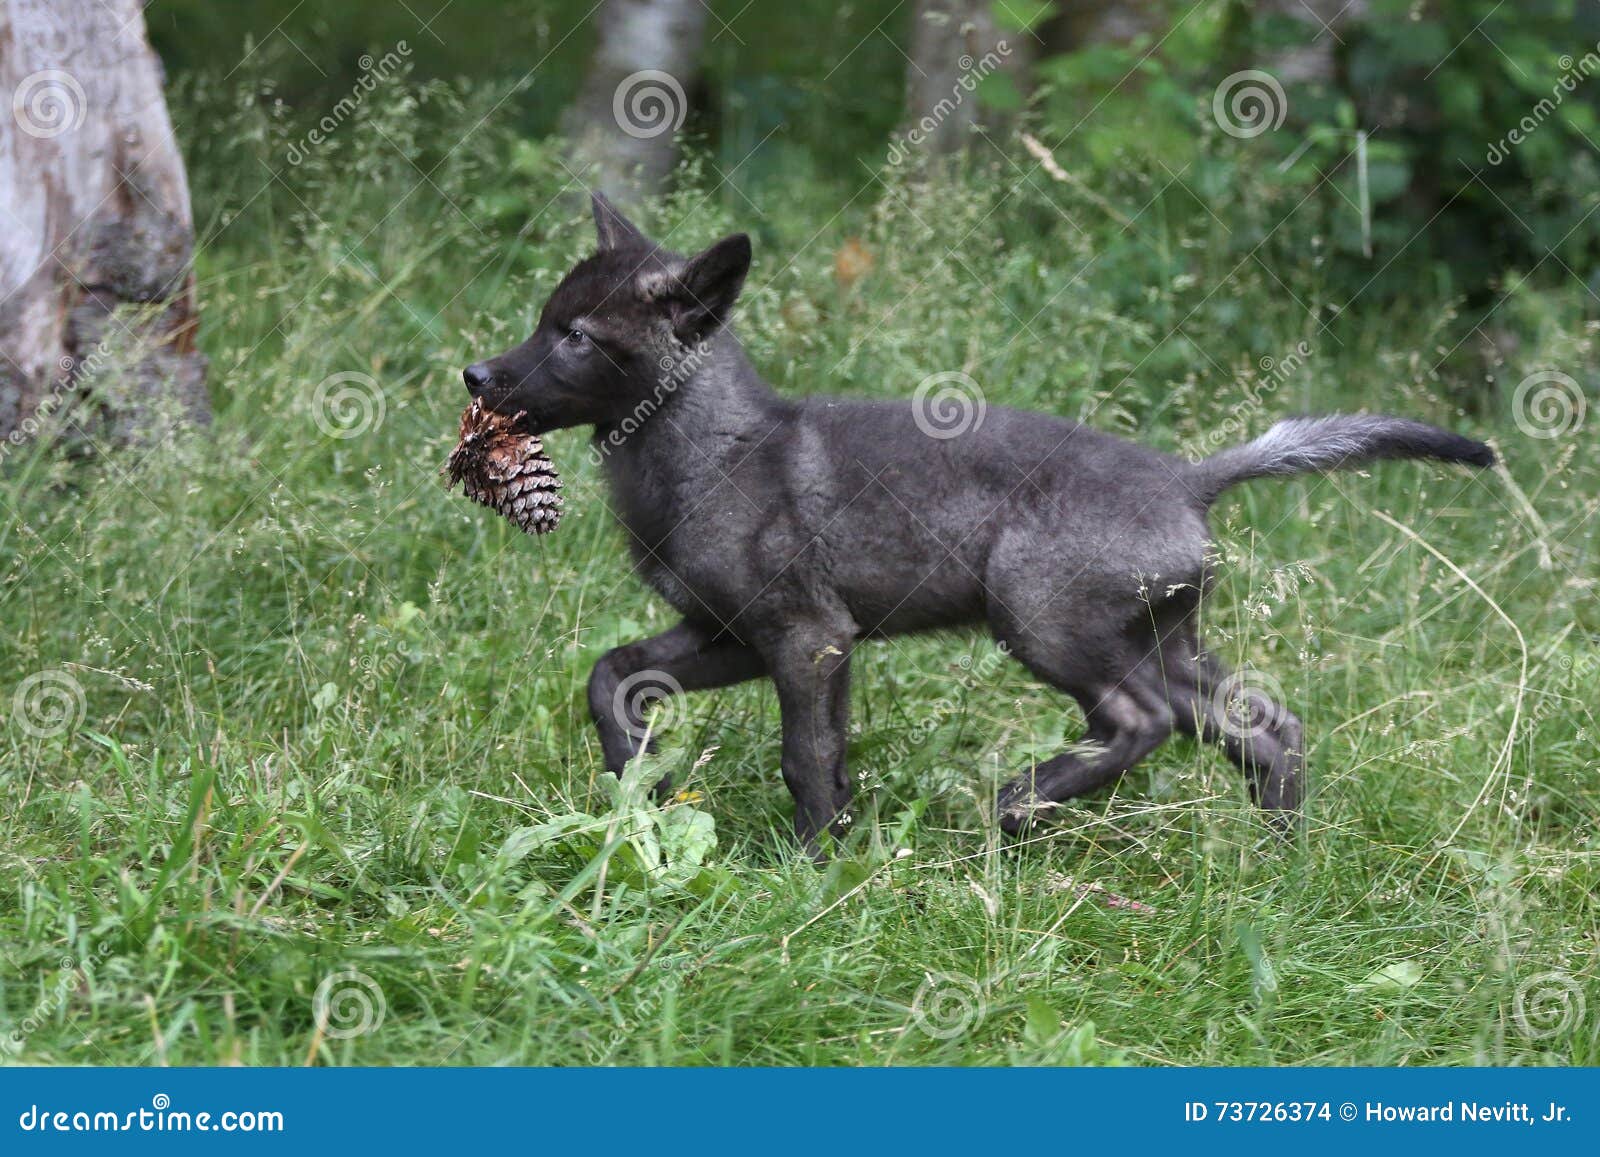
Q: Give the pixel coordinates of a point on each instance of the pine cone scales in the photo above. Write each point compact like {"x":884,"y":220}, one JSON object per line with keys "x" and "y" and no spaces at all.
{"x":505,"y":470}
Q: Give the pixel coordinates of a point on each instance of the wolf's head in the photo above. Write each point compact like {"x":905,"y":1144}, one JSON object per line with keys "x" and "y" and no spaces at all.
{"x":620,"y":323}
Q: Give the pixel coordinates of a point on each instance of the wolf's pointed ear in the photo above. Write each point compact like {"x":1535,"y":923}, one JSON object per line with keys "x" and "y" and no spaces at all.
{"x":708,"y":287}
{"x":610,"y":226}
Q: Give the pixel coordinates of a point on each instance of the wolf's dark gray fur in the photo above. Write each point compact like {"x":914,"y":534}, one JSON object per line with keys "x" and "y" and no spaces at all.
{"x":784,"y":531}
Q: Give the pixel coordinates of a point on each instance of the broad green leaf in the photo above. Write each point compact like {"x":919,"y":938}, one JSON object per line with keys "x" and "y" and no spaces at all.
{"x":1395,"y":977}
{"x":1043,"y":1022}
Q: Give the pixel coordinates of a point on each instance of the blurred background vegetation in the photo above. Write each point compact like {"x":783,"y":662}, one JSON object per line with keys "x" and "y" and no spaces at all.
{"x":812,"y":92}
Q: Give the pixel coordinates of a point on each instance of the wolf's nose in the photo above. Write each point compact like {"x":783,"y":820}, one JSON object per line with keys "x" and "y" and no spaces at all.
{"x":476,"y":376}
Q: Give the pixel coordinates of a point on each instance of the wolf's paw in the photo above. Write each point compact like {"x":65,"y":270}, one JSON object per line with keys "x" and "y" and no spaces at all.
{"x":1019,"y":808}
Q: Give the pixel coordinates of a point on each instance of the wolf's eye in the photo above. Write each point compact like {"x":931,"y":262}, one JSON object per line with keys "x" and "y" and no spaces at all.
{"x":576,"y":337}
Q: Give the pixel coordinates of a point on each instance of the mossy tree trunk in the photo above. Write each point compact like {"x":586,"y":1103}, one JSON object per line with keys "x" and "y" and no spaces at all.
{"x":96,"y":234}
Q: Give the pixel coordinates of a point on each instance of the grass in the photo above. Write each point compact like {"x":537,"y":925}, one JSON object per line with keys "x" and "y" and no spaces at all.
{"x":312,"y":754}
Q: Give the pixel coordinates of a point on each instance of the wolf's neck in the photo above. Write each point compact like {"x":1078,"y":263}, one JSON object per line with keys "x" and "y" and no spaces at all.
{"x":721,"y":390}
{"x":661,"y":467}
{"x":712,"y":398}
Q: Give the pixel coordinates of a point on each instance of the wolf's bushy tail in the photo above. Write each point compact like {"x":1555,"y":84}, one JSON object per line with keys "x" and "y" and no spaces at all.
{"x":1303,"y":445}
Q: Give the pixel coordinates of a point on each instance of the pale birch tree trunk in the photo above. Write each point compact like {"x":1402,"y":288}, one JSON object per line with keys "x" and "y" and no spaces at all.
{"x":1313,"y":58}
{"x":955,"y":46}
{"x":1081,"y":23}
{"x":624,"y":124}
{"x":96,"y":237}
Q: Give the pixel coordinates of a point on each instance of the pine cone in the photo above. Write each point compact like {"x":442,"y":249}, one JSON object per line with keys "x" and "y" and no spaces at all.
{"x":505,"y":470}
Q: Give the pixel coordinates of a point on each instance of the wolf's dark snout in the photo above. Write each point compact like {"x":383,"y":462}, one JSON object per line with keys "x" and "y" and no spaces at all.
{"x":477,"y":376}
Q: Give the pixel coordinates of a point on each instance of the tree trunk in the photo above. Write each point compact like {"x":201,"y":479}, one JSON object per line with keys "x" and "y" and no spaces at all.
{"x":1313,"y":57}
{"x":625,"y":121}
{"x":955,"y":45}
{"x":1089,"y":22}
{"x":96,"y":237}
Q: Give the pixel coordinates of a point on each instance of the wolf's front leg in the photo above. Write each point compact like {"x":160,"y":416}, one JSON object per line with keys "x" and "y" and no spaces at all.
{"x":627,"y":680}
{"x":811,"y":670}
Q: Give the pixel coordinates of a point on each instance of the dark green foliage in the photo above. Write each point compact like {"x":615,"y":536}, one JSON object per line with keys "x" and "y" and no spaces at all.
{"x":1469,"y":176}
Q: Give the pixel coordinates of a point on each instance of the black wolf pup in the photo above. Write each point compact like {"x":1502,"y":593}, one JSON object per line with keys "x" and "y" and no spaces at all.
{"x":783,"y":531}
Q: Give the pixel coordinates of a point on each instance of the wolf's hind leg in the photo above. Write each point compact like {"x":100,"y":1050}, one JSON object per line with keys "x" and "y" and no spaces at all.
{"x":1125,"y":725}
{"x":1262,"y":737}
{"x":1127,"y":713}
